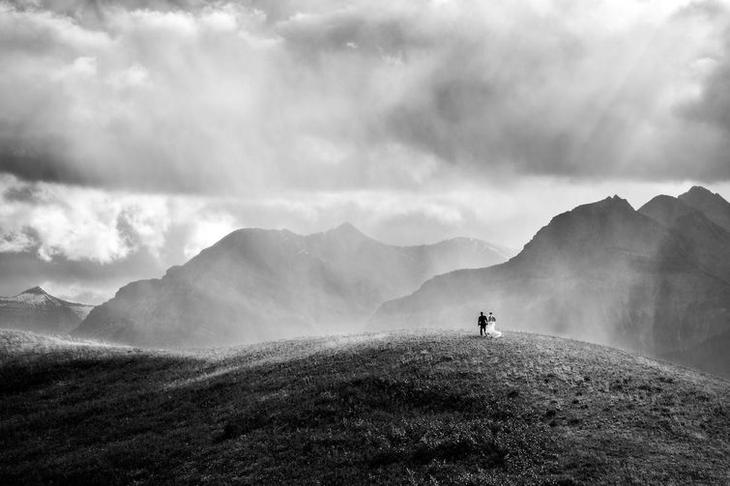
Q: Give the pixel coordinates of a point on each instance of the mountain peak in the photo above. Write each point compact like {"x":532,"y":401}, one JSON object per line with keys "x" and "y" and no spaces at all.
{"x":36,"y":310}
{"x":666,"y":209}
{"x":348,"y":230}
{"x":713,"y":205}
{"x":346,"y":226}
{"x":35,"y":291}
{"x":699,"y":195}
{"x":662,"y":199}
{"x":614,"y":202}
{"x":699,"y":190}
{"x":590,"y":230}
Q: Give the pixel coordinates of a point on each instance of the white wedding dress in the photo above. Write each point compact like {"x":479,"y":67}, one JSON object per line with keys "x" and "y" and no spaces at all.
{"x":492,"y":331}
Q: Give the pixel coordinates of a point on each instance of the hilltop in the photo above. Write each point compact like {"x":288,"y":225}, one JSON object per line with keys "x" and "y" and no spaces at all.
{"x":395,"y":408}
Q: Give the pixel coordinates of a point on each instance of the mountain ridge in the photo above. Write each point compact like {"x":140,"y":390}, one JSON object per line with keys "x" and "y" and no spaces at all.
{"x":602,"y":272}
{"x":255,"y":284}
{"x":713,"y":205}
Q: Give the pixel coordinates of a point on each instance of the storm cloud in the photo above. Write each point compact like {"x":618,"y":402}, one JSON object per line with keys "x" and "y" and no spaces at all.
{"x":218,"y":96}
{"x":151,"y":128}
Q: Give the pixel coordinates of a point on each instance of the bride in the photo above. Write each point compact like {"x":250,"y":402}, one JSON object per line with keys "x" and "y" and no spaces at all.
{"x":492,"y":326}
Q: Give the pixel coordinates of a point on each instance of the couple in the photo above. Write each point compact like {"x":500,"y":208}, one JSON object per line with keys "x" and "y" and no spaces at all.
{"x":487,"y":325}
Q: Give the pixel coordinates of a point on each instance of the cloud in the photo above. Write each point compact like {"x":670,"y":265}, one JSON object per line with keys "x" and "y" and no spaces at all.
{"x":203,"y":97}
{"x":134,"y":133}
{"x":207,"y":232}
{"x":79,"y":224}
{"x":708,"y":106}
{"x":67,"y":223}
{"x":78,"y":280}
{"x":16,"y":242}
{"x":84,"y":243}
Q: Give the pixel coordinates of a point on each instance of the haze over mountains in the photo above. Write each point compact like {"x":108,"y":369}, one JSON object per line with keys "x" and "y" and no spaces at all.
{"x":36,"y":310}
{"x":257,"y":284}
{"x":656,"y":280}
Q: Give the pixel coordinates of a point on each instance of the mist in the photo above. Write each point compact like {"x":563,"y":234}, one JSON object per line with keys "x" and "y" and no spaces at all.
{"x":155,"y":128}
{"x":256,"y":285}
{"x":652,"y":280}
{"x":237,"y":232}
{"x":135,"y":135}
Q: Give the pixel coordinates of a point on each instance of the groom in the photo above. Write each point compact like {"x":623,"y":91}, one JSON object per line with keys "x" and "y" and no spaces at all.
{"x":482,"y":323}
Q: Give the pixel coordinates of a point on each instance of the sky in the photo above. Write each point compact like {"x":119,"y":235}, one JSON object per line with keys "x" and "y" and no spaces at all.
{"x":135,"y":133}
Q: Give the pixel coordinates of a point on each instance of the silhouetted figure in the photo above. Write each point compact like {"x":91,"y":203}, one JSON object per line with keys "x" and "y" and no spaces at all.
{"x":482,"y":323}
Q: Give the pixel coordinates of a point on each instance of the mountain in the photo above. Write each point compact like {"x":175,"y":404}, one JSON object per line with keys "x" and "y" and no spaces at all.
{"x":389,"y":408}
{"x":708,"y":241}
{"x":714,"y":206}
{"x":263,"y":284}
{"x":710,"y":246}
{"x":36,"y":310}
{"x":655,"y":281}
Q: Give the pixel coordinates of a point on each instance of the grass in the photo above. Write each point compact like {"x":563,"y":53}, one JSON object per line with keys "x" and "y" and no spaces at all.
{"x":437,"y":408}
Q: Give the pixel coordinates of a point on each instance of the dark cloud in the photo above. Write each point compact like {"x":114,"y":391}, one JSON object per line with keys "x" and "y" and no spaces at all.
{"x":149,"y":129}
{"x":29,"y":161}
{"x":211,"y":97}
{"x":82,"y":281}
{"x":707,"y":114}
{"x":376,"y":32}
{"x":706,"y":9}
{"x":713,"y":105}
{"x":95,"y":11}
{"x":24,"y":193}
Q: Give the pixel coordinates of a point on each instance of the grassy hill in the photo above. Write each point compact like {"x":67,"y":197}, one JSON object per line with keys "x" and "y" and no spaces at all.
{"x":435,"y":408}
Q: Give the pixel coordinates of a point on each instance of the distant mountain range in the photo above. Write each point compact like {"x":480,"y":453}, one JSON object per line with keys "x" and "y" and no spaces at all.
{"x":656,"y":280}
{"x":264,"y":284}
{"x":37,"y":310}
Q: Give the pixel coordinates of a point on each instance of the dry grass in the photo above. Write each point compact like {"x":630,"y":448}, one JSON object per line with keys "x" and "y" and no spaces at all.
{"x":438,"y":408}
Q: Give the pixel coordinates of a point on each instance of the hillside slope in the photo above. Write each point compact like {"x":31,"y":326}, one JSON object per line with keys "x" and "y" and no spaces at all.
{"x":36,"y":310}
{"x":255,"y":285}
{"x":436,"y":408}
{"x":655,"y":281}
